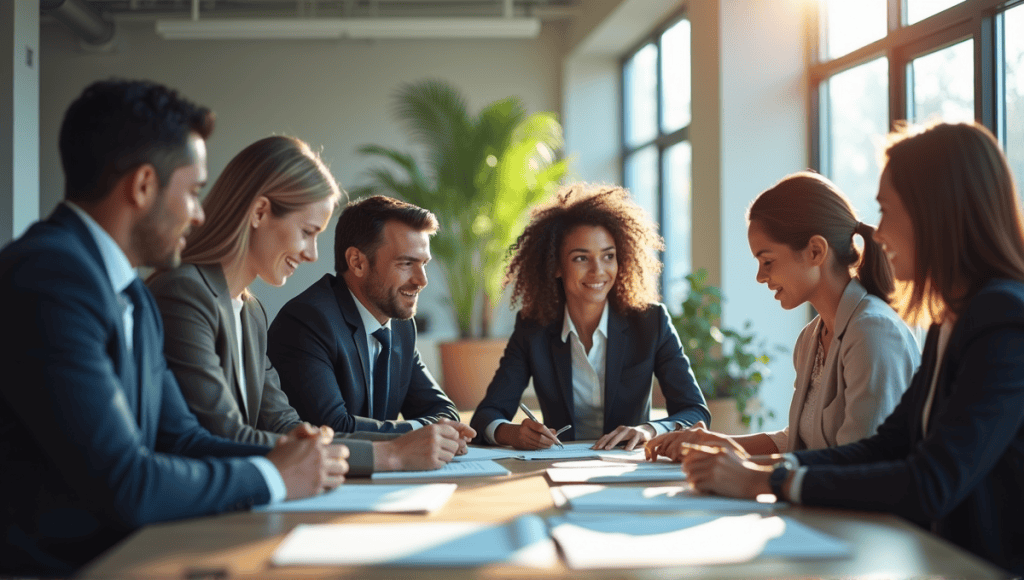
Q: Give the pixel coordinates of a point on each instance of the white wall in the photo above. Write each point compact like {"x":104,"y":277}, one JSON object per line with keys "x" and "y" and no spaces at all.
{"x":333,"y":94}
{"x":19,"y":117}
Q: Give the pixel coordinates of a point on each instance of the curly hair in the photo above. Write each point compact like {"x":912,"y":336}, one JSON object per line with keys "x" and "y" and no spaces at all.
{"x":535,"y":256}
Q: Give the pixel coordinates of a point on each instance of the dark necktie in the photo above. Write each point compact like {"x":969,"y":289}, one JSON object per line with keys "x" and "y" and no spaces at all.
{"x":381,"y":374}
{"x":133,"y":365}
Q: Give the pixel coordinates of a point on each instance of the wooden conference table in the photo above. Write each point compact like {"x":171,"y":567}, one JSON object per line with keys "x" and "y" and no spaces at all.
{"x":239,"y":545}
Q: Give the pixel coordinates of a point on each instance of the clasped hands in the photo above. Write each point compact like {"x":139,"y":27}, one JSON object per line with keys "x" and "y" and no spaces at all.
{"x":714,"y":462}
{"x":307,"y":460}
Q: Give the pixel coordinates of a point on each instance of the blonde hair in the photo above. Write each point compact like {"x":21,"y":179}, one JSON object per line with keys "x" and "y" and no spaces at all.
{"x":282,"y":169}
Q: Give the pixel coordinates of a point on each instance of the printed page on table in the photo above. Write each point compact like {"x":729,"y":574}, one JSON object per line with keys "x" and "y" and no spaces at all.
{"x":624,"y":541}
{"x":371,"y":498}
{"x":523,"y":542}
{"x":603,"y":498}
{"x":579,"y":451}
{"x":601,"y":471}
{"x":464,"y":469}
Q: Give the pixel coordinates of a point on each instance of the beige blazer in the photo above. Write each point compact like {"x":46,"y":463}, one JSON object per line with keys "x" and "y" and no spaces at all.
{"x":870,"y":362}
{"x":200,"y":347}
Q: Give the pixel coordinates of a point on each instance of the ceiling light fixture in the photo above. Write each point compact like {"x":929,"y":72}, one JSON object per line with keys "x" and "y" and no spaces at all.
{"x":353,"y":28}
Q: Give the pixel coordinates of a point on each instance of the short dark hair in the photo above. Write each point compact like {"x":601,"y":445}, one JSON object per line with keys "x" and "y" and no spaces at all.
{"x":116,"y":126}
{"x":361,"y":225}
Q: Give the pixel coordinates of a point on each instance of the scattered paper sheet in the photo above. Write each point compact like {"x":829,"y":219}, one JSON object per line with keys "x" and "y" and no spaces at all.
{"x":650,"y":499}
{"x":371,"y":498}
{"x":578,"y":451}
{"x":486,"y":453}
{"x":621,"y":541}
{"x":458,"y":469}
{"x":614,"y":472}
{"x":522,"y":542}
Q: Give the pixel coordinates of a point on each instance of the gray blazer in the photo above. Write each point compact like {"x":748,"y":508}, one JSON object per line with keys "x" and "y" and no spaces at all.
{"x":869,"y":365}
{"x":200,"y":348}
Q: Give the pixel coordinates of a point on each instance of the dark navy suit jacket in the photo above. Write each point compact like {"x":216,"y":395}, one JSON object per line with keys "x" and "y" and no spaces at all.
{"x":317,"y":343}
{"x":641,"y":345}
{"x":965,"y":479}
{"x":84,"y":459}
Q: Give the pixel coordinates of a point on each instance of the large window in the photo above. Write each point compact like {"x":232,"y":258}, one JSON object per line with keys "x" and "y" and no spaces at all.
{"x":880,"y":61}
{"x":655,"y":143}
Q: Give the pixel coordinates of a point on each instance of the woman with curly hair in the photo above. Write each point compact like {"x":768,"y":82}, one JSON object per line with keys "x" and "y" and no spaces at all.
{"x":590,"y":333}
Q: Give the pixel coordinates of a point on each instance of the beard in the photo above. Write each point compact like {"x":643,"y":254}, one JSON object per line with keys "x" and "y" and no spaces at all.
{"x":387,"y":299}
{"x":156,"y":239}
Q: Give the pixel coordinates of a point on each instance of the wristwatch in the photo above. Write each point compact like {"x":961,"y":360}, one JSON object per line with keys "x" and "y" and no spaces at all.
{"x":777,"y":479}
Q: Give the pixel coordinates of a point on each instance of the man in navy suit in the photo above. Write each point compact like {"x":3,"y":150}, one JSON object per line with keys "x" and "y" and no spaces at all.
{"x":346,"y":347}
{"x":95,"y":437}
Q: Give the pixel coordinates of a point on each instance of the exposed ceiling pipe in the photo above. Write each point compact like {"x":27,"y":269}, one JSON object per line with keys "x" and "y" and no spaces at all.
{"x":195,"y":10}
{"x":85,"y":22}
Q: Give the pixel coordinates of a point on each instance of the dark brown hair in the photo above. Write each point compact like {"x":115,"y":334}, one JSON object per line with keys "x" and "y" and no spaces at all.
{"x":956,"y":185}
{"x":535,"y":255}
{"x":806,"y":204}
{"x":361,"y":225}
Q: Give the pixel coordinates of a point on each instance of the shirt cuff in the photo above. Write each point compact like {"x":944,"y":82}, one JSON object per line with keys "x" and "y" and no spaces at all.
{"x":659,"y":429}
{"x":416,"y":424}
{"x":489,"y":431}
{"x":796,"y":486}
{"x":273,"y":479}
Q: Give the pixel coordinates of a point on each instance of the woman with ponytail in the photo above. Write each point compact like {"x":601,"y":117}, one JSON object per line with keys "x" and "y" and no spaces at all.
{"x":855,"y":359}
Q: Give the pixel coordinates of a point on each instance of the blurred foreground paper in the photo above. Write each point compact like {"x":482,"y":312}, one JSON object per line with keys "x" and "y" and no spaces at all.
{"x":371,"y":498}
{"x":621,"y":541}
{"x":522,"y":542}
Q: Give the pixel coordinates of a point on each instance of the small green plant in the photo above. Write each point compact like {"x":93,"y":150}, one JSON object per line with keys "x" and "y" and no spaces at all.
{"x":726,"y":362}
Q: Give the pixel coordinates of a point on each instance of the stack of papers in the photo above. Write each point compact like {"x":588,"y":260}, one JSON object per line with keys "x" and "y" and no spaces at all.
{"x":614,"y":472}
{"x":371,"y":498}
{"x":621,"y":541}
{"x":486,"y":453}
{"x":601,"y":498}
{"x":522,"y":542}
{"x":455,"y":469}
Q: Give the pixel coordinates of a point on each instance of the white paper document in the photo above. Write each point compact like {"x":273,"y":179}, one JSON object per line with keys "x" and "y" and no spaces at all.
{"x":614,"y":472}
{"x":371,"y":498}
{"x":457,"y":469}
{"x":485,"y":453}
{"x":522,"y":542}
{"x":621,"y":541}
{"x":601,"y":498}
{"x":577,"y":451}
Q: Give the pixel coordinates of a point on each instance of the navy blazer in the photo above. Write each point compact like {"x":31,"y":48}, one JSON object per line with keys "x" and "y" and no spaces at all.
{"x":965,"y":479}
{"x":641,"y":345}
{"x":84,"y":460}
{"x":317,"y":343}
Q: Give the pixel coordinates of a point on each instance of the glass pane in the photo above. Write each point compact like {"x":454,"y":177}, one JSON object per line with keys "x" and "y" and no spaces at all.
{"x":1014,"y":46}
{"x":675,"y":76}
{"x":858,"y":120}
{"x":642,"y":178}
{"x":918,"y":10}
{"x":676,"y":223}
{"x":850,"y":25}
{"x":943,"y":84}
{"x":641,"y":86}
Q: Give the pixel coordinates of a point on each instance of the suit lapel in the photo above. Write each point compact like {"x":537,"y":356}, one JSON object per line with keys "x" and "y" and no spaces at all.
{"x":562,"y":357}
{"x":615,"y":352}
{"x":213,"y":275}
{"x":358,"y":334}
{"x":253,"y":372}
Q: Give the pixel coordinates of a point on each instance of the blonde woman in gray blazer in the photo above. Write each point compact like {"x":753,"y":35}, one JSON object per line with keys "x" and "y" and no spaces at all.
{"x":857,"y":357}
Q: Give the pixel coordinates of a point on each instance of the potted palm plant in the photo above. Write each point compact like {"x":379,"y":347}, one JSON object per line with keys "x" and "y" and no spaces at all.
{"x":479,"y":174}
{"x":729,"y":364}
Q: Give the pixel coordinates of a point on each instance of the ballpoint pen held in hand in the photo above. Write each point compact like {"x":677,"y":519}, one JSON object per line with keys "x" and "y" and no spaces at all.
{"x":530,"y":414}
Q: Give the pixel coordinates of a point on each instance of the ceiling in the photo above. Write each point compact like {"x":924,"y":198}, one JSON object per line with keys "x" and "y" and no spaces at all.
{"x":160,"y":9}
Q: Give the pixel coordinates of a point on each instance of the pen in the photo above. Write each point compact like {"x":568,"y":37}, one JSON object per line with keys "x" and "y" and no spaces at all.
{"x":697,"y":447}
{"x":530,"y":414}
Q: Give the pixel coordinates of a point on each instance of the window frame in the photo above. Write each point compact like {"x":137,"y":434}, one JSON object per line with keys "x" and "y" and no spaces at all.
{"x":662,"y":140}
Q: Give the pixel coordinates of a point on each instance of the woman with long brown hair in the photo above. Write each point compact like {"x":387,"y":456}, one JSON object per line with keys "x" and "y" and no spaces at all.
{"x":951,"y":455}
{"x":590,"y":333}
{"x":855,"y":359}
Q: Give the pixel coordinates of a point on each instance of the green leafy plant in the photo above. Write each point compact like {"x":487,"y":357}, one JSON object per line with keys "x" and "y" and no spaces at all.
{"x":479,"y":175}
{"x":726,"y":362}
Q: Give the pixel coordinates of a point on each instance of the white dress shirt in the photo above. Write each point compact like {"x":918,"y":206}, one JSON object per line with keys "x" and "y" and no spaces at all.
{"x":121,"y":274}
{"x":588,"y":371}
{"x":370,"y":325}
